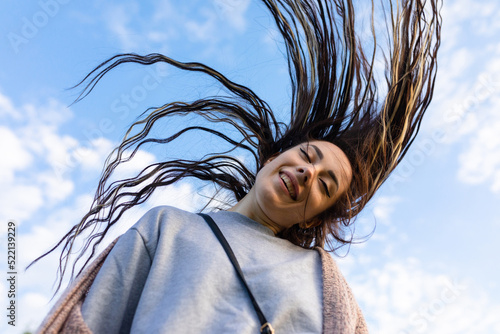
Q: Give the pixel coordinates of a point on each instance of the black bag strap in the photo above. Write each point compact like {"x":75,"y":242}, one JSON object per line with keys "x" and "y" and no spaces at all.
{"x":266,"y":327}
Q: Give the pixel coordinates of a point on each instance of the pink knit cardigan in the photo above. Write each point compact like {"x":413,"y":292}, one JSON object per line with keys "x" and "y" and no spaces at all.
{"x":341,"y":313}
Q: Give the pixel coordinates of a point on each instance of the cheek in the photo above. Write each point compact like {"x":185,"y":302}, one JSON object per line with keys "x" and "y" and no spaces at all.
{"x":317,"y":205}
{"x":265,"y":189}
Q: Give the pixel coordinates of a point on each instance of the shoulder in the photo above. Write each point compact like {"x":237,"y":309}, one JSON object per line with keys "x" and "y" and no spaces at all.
{"x":160,"y":221}
{"x":158,"y":217}
{"x":165,"y":211}
{"x":340,"y":307}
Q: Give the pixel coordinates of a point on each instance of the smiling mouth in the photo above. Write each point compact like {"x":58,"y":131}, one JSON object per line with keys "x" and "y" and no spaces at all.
{"x":289,"y":185}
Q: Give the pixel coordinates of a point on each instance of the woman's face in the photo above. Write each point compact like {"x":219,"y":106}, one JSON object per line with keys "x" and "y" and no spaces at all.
{"x":299,"y":184}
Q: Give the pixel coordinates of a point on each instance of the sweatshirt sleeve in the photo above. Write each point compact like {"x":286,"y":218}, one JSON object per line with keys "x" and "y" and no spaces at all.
{"x":113,"y":297}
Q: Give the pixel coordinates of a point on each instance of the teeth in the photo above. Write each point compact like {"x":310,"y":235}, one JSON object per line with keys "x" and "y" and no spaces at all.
{"x":289,"y":185}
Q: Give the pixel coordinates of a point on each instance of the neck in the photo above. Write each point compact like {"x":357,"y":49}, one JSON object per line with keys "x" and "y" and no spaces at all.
{"x":247,"y":208}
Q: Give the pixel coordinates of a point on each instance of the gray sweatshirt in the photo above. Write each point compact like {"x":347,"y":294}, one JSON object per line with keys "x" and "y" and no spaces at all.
{"x":169,"y":274}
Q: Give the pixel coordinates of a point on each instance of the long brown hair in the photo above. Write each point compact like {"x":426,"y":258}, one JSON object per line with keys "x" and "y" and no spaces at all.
{"x":334,"y":98}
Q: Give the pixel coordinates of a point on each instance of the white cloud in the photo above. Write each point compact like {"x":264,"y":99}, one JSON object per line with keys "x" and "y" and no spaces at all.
{"x":132,"y":167}
{"x":214,"y":26}
{"x":458,"y":21}
{"x":55,"y":189}
{"x":30,"y":147}
{"x":495,"y":186}
{"x":14,"y":155}
{"x":462,"y":65}
{"x":92,"y":154}
{"x":6,"y":107}
{"x":51,"y":113}
{"x":465,"y":104}
{"x":233,"y":11}
{"x":118,"y":18}
{"x":401,"y":297}
{"x":210,"y":23}
{"x":384,"y":206}
{"x":47,"y":142}
{"x":20,"y":201}
{"x":31,"y":304}
{"x":42,"y":236}
{"x":480,"y":161}
{"x":203,"y":31}
{"x":164,"y":11}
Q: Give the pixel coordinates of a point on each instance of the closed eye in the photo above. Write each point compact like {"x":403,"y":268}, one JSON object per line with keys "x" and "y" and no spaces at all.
{"x":326,"y":187}
{"x":306,"y":155}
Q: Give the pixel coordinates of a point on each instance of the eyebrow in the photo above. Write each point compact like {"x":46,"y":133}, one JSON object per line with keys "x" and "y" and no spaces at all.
{"x":330,"y":172}
{"x":318,"y":151}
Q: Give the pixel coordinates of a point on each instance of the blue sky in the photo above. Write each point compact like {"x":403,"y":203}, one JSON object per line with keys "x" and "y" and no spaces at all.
{"x":431,"y":265}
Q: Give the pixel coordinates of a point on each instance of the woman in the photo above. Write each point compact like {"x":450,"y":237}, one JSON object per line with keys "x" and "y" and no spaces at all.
{"x":313,"y":176}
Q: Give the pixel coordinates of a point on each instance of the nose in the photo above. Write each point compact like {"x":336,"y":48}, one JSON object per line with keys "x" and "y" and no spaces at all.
{"x":304,"y":174}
